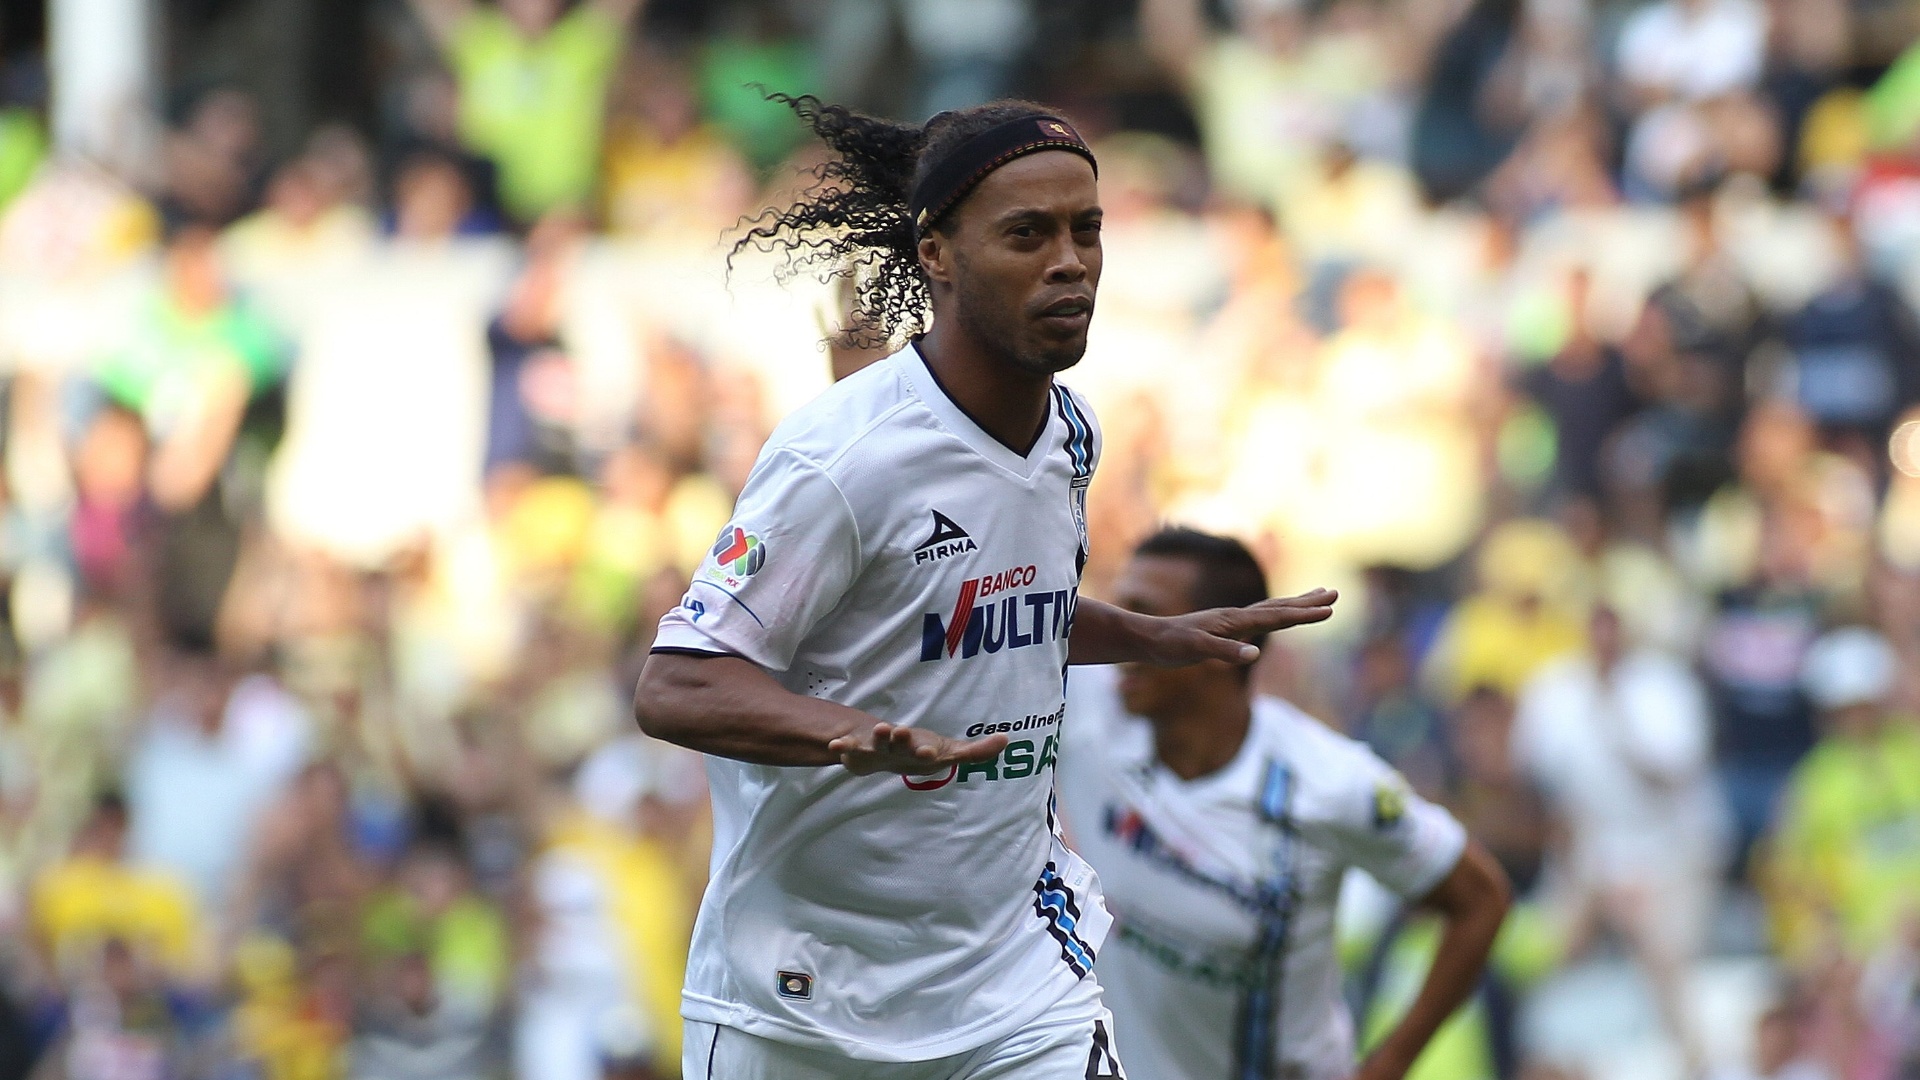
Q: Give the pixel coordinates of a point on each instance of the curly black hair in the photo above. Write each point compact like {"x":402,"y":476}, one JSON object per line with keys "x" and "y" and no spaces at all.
{"x":852,"y":221}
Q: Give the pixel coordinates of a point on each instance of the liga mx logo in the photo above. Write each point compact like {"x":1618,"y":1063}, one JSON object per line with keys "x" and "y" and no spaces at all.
{"x":739,"y":552}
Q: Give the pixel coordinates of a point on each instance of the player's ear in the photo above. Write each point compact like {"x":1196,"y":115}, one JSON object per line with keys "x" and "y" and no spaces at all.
{"x":936,"y":256}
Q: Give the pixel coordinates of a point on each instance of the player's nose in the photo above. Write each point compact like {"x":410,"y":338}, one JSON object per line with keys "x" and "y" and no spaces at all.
{"x":1067,"y":264}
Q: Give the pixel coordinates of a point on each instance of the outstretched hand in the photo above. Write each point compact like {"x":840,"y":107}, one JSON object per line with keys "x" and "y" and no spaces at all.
{"x":1226,"y":633}
{"x":910,"y":750}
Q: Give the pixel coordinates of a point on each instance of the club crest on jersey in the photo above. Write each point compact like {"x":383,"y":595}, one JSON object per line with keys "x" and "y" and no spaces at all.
{"x":946,"y":541}
{"x":1389,"y":805}
{"x":737,"y":555}
{"x":1007,"y":619}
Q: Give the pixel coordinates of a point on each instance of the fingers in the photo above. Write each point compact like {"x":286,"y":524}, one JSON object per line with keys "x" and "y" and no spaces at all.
{"x":1213,"y":647}
{"x":1228,"y":629}
{"x":1271,"y":615}
{"x":892,"y":748}
{"x":985,"y":748}
{"x":1318,"y":600}
{"x":854,"y":742}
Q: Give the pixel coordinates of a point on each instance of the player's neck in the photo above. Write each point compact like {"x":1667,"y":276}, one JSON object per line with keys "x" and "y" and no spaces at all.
{"x":1206,"y":734}
{"x":1007,"y":403}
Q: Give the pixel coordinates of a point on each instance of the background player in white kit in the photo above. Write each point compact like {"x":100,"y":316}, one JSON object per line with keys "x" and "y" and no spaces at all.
{"x":874,"y":652}
{"x":1221,"y":823}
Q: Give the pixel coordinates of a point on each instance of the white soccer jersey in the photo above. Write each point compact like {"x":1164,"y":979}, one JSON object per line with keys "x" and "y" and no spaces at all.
{"x":1224,"y":888}
{"x":889,"y":555}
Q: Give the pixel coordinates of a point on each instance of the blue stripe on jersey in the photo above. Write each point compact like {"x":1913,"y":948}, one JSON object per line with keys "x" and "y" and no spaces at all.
{"x":1053,"y":901}
{"x":1273,"y":794}
{"x":1079,"y":434}
{"x":1259,"y":1014}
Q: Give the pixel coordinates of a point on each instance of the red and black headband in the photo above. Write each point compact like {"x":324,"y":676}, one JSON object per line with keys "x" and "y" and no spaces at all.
{"x":966,"y":165}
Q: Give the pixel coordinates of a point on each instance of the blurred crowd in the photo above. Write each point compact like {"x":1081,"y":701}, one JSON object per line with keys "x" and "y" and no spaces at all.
{"x":341,"y":488}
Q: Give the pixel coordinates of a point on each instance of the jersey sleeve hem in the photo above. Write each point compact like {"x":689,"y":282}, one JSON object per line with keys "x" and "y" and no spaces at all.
{"x":690,"y":650}
{"x":1429,"y":877}
{"x":677,"y":635}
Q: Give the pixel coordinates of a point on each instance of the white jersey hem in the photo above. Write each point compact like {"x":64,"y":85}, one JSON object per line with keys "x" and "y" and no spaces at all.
{"x":980,"y":1033}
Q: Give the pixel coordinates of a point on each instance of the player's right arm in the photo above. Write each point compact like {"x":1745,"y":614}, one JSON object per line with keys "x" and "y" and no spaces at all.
{"x":780,"y":567}
{"x":728,"y":706}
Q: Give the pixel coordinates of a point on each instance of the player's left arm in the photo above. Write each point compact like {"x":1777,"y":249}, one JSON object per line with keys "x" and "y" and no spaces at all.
{"x":1104,"y":634}
{"x":1471,"y":901}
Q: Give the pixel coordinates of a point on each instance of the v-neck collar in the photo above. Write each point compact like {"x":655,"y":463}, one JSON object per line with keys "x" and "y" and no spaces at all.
{"x":1238,"y":774}
{"x":919,"y":375}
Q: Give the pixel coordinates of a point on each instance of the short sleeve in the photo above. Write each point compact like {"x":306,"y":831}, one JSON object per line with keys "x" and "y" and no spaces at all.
{"x":1377,"y":823}
{"x":787,"y":557}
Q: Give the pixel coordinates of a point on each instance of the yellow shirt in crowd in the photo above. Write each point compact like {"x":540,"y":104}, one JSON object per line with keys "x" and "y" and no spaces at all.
{"x":86,"y":900}
{"x":535,"y":105}
{"x":1847,"y":854}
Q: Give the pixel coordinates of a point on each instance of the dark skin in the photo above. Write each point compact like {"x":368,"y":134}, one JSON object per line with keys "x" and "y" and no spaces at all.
{"x":1013,"y":271}
{"x":1200,"y":715}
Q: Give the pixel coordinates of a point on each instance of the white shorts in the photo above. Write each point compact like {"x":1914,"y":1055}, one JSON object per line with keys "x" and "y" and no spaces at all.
{"x":1071,"y":1041}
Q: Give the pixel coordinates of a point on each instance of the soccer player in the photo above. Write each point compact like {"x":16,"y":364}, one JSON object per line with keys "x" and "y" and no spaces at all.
{"x":874,"y":653}
{"x":1221,"y":823}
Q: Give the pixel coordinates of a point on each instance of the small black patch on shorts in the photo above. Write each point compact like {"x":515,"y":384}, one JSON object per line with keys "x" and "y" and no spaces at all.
{"x":795,"y":984}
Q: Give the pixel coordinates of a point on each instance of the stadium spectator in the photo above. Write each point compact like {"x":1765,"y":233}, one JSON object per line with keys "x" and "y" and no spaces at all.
{"x":405,"y":1029}
{"x":1473,"y":109}
{"x":1396,"y":721}
{"x":1272,"y":95}
{"x":1779,"y":1050}
{"x":431,"y":912}
{"x":1759,"y":538}
{"x":1620,"y":739}
{"x":1845,"y":869}
{"x":197,"y":355}
{"x":533,"y":78}
{"x":533,"y":402}
{"x":1524,"y":615}
{"x":303,"y":867}
{"x":429,"y":127}
{"x":668,"y":169}
{"x":1691,"y":50}
{"x":210,"y":165}
{"x":1856,"y":345}
{"x":94,"y":897}
{"x":967,"y":49}
{"x":1585,"y":391}
{"x":309,"y":216}
{"x":1493,"y":795}
{"x":23,"y":145}
{"x":125,"y":1019}
{"x":218,"y":746}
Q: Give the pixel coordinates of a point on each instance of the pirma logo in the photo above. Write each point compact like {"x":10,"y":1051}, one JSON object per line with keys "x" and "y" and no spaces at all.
{"x":946,"y":541}
{"x":739,"y":552}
